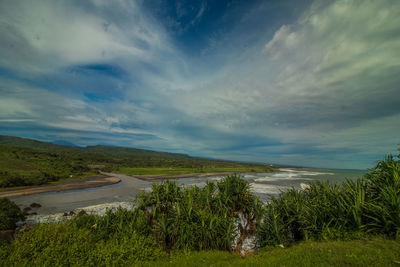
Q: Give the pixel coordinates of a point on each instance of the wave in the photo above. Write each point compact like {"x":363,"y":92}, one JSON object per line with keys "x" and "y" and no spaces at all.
{"x":267,"y":189}
{"x":302,"y":172}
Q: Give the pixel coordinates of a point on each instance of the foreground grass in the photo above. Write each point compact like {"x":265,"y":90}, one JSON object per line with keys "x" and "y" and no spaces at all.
{"x":373,"y":252}
{"x":177,"y":170}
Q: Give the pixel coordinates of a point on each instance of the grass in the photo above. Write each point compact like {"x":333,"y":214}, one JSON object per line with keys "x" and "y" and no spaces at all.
{"x":369,"y":252}
{"x":139,"y":251}
{"x":167,"y":171}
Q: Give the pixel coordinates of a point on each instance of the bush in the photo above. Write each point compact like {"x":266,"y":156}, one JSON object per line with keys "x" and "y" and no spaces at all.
{"x":382,"y":208}
{"x":10,"y":213}
{"x":201,"y":218}
{"x":55,"y":244}
{"x":330,"y":211}
{"x":115,"y":224}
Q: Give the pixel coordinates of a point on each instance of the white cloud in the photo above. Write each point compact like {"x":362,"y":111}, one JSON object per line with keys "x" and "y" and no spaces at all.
{"x":317,"y":82}
{"x":52,"y":35}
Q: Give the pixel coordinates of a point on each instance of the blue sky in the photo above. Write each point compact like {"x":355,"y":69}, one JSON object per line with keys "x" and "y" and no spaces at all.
{"x":312,"y":83}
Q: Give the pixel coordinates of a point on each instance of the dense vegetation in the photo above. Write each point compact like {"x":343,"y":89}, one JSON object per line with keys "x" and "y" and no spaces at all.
{"x":330,"y":211}
{"x":201,"y":218}
{"x":369,"y":251}
{"x":171,"y":220}
{"x":170,"y":223}
{"x":10,"y":213}
{"x":30,"y":162}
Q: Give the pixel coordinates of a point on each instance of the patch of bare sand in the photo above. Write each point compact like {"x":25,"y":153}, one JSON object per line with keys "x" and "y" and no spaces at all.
{"x":89,"y":182}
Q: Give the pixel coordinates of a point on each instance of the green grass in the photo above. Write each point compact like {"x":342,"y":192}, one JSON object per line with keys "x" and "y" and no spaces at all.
{"x":177,"y":170}
{"x":372,"y":252}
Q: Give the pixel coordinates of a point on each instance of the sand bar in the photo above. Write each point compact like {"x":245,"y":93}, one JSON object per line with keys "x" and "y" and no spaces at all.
{"x":89,"y":182}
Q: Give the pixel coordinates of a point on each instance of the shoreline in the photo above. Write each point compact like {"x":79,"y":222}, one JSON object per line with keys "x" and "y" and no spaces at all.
{"x":96,"y":181}
{"x":89,"y":182}
{"x":157,"y":178}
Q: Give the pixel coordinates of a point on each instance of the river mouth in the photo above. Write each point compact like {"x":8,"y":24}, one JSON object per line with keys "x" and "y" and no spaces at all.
{"x":263,"y":185}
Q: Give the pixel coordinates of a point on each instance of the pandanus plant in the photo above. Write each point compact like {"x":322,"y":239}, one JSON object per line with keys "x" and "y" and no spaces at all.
{"x":383,"y":193}
{"x":201,"y":218}
{"x":324,"y":210}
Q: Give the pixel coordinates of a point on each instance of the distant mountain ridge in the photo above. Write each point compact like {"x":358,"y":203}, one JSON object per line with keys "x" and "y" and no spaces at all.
{"x":64,"y":145}
{"x":25,"y":162}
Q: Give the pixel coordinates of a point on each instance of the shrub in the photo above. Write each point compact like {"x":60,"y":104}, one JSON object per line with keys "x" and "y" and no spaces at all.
{"x":10,"y":213}
{"x":329,"y":211}
{"x":201,"y":218}
{"x":382,"y":207}
{"x":65,"y":244}
{"x":115,"y":224}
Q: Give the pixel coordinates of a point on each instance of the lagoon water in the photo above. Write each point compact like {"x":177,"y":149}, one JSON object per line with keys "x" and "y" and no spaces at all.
{"x":264,"y":185}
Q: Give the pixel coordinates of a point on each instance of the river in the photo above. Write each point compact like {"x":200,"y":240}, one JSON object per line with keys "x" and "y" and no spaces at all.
{"x":262,"y":184}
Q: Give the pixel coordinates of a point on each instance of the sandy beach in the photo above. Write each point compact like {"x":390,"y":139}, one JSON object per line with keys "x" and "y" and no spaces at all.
{"x":157,"y":178}
{"x":89,"y":182}
{"x":95,"y":181}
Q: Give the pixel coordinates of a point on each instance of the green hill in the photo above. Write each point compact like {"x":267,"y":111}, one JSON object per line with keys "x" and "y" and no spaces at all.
{"x":30,"y":143}
{"x":113,"y":150}
{"x":30,"y":162}
{"x":127,"y":151}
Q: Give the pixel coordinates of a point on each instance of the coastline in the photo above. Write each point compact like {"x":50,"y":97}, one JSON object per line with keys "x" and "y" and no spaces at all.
{"x":96,"y":181}
{"x":157,"y":178}
{"x":89,"y":182}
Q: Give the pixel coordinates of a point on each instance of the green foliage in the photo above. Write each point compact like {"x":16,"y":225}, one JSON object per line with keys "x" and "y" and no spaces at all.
{"x":383,"y":194}
{"x":56,"y":244}
{"x":115,"y":224}
{"x":179,"y":220}
{"x":200,"y":218}
{"x":10,"y":213}
{"x":330,"y":211}
{"x":29,"y":162}
{"x":25,"y":166}
{"x":366,"y":252}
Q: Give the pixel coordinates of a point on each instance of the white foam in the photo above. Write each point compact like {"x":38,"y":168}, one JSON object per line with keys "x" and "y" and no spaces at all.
{"x":303,"y":172}
{"x":99,"y":209}
{"x":267,"y":188}
{"x":216,"y":178}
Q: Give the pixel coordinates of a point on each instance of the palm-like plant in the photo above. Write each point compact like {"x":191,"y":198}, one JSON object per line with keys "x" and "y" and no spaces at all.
{"x":201,"y":218}
{"x":324,"y":211}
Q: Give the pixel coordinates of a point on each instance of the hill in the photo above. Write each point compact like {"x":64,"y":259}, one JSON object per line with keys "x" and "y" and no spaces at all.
{"x":20,"y":142}
{"x":14,"y":141}
{"x":127,"y":151}
{"x":30,"y":162}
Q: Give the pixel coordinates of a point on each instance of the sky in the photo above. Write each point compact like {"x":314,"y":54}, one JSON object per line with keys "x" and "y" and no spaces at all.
{"x":305,"y":83}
